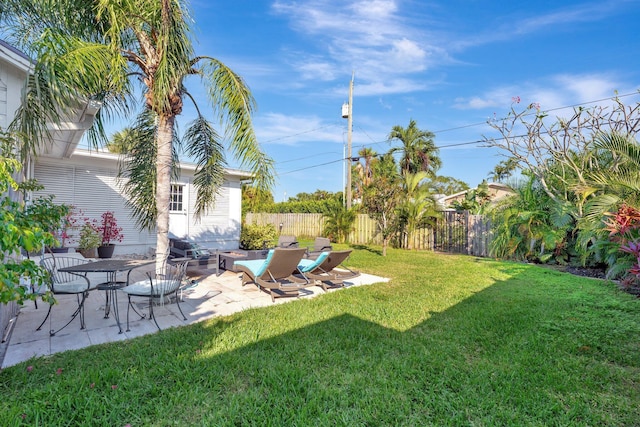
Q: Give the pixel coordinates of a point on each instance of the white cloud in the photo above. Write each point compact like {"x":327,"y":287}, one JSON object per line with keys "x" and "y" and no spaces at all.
{"x":550,"y":93}
{"x":281,"y":129}
{"x":369,"y":37}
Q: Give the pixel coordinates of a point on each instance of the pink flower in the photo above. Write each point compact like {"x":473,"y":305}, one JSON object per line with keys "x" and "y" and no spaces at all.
{"x":113,"y":387}
{"x":59,"y":371}
{"x":29,"y":368}
{"x":92,"y":385}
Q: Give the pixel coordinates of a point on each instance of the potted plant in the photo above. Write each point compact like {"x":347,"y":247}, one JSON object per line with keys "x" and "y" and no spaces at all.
{"x":89,"y":239}
{"x":109,"y":232}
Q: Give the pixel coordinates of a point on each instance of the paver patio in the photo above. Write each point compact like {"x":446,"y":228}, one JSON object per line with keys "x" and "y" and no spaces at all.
{"x":214,"y":295}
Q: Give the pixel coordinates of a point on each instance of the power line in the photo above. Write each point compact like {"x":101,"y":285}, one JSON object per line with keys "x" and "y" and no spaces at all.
{"x":299,"y":133}
{"x":481,"y":141}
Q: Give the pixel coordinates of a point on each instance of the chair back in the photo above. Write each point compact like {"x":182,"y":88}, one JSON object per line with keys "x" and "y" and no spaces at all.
{"x":287,"y":242}
{"x":53,"y":264}
{"x":284,"y":263}
{"x":169,"y":279}
{"x":321,"y":244}
{"x":334,"y":259}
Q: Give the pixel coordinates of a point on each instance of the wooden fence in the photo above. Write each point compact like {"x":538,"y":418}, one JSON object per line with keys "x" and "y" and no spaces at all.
{"x":457,"y":232}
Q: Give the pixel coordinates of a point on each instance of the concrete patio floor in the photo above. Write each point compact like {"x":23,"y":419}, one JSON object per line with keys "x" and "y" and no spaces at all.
{"x":214,"y":295}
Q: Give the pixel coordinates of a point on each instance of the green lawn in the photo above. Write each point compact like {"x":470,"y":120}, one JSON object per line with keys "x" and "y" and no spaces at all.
{"x":450,"y":340}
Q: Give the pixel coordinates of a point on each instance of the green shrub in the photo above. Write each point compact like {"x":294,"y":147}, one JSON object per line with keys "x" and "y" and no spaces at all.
{"x":255,"y":236}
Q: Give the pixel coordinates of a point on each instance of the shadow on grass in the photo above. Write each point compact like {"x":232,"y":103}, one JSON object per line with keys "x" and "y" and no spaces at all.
{"x":368,"y":249}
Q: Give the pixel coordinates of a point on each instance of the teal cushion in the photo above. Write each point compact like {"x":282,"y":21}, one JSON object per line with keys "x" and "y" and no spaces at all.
{"x":307,"y":265}
{"x":257,"y":266}
{"x":261,"y":270}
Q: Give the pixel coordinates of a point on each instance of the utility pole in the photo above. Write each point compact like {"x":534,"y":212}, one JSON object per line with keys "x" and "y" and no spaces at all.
{"x":349,"y":131}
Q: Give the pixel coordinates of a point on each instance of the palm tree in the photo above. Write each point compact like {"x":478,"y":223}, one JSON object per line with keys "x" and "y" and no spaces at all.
{"x":417,"y":204}
{"x":503,"y":170}
{"x":419,"y":152}
{"x":363,"y":172}
{"x":122,"y":141}
{"x":98,"y":50}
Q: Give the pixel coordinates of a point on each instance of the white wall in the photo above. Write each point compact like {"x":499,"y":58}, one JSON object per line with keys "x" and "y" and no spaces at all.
{"x":88,"y":181}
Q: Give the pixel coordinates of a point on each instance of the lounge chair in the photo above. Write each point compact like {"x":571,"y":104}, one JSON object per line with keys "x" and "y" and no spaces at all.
{"x":287,"y":242}
{"x":321,"y":244}
{"x":327,"y":269}
{"x":275,"y":274}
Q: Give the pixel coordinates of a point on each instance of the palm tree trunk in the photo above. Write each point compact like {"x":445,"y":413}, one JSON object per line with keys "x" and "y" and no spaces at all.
{"x":163,"y":185}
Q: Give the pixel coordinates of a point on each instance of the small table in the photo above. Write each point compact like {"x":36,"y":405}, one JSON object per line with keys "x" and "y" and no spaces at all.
{"x":112,"y":267}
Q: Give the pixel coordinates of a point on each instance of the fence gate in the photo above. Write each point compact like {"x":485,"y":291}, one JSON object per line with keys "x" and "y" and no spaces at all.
{"x":462,"y":233}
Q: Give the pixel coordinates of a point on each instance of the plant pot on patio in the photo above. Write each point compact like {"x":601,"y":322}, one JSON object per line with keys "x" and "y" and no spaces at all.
{"x":63,"y":250}
{"x":88,"y":253}
{"x":106,"y":251}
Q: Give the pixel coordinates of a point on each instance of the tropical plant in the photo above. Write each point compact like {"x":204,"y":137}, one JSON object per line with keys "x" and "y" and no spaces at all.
{"x":108,"y":229}
{"x":254,"y":236}
{"x":20,"y":232}
{"x":558,"y":151}
{"x":382,"y":197}
{"x":97,"y":50}
{"x":624,"y":231}
{"x":503,"y":170}
{"x":255,"y":199}
{"x":419,"y":152}
{"x":55,"y":218}
{"x":612,"y":182}
{"x":417,"y":205}
{"x":530,"y":225}
{"x":447,"y":185}
{"x":362,"y":171}
{"x":475,"y":200}
{"x":338,"y":222}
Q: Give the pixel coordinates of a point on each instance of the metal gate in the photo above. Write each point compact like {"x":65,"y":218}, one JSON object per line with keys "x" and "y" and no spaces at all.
{"x":462,"y":233}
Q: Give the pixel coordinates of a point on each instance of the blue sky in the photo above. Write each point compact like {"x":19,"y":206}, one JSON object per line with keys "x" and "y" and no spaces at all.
{"x":450,"y":65}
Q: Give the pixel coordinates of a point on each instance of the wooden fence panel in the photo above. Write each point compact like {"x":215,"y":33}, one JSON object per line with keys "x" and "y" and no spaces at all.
{"x":456,"y":232}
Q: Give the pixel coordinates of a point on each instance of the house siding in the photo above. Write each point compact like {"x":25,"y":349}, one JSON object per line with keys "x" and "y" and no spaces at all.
{"x":90,"y":184}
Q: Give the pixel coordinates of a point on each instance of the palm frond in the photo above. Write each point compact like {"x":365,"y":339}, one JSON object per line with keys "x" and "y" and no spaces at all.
{"x":202,"y":144}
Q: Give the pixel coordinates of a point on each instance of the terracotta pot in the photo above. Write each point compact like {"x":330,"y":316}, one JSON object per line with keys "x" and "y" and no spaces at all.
{"x":88,"y":253}
{"x":106,"y":251}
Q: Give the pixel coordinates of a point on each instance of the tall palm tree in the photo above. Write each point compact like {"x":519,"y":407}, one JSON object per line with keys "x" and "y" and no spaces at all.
{"x":363,"y":172}
{"x":417,"y":204}
{"x":419,"y":152}
{"x":99,"y":50}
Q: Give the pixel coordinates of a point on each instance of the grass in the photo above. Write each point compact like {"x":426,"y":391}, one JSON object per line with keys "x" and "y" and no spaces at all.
{"x":450,"y":340}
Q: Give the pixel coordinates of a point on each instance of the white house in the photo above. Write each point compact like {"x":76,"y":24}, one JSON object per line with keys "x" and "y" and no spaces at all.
{"x":87,"y":180}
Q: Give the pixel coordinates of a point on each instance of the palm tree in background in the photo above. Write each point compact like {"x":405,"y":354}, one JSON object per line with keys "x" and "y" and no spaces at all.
{"x":363,"y":173}
{"x":104,"y":51}
{"x":419,"y":152}
{"x":503,"y":170}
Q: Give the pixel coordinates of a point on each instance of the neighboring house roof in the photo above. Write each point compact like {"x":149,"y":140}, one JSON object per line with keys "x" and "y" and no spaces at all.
{"x":496,"y":191}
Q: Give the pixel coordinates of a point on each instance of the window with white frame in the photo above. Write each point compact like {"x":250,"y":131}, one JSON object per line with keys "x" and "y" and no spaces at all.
{"x":176,"y":198}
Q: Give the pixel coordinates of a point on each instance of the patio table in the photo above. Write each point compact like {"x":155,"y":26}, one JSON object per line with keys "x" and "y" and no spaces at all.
{"x":111,"y":267}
